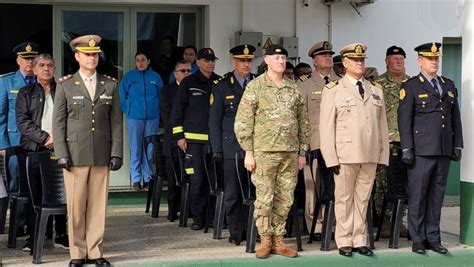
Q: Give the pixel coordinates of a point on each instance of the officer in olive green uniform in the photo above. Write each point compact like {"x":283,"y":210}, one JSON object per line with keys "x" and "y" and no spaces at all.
{"x":390,"y":82}
{"x":87,"y":132}
{"x":311,"y":89}
{"x":272,"y":126}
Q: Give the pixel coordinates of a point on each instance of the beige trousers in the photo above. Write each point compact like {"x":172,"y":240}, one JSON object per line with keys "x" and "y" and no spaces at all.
{"x":87,"y":190}
{"x":352,"y":194}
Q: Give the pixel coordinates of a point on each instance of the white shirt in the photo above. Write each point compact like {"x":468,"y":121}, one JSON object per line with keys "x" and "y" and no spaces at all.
{"x":86,"y":80}
{"x":47,"y":119}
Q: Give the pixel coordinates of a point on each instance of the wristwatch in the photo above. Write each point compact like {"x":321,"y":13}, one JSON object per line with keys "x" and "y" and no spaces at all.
{"x":302,"y":153}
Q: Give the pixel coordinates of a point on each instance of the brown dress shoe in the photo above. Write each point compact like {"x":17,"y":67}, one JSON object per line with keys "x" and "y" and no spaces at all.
{"x":280,"y":248}
{"x":265,"y":245}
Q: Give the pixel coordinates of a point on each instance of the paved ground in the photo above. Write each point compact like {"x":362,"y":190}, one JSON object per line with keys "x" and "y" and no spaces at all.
{"x":134,"y":238}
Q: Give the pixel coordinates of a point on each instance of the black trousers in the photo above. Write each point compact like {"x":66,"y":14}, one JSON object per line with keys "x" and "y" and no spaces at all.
{"x":232,"y":196}
{"x":427,"y":179}
{"x":199,"y":192}
{"x":174,"y":192}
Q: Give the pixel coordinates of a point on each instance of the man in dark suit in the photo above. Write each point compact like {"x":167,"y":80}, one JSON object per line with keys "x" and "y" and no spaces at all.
{"x":431,"y":136}
{"x":87,"y":130}
{"x":181,"y":70}
{"x":225,"y":99}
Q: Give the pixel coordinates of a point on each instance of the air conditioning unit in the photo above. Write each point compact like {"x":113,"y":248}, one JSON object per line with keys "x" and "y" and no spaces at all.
{"x":357,"y":3}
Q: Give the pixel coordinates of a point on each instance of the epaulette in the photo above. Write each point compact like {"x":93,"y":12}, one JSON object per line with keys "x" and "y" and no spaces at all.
{"x":216,"y":81}
{"x":304,"y":77}
{"x":6,"y":74}
{"x":444,"y":79}
{"x":65,"y":78}
{"x":376,"y":84}
{"x":331,"y":84}
{"x":110,"y":78}
{"x":420,"y":77}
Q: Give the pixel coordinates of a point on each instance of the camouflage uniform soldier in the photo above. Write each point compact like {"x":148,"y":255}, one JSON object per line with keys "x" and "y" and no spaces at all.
{"x":272,"y":126}
{"x":390,"y":81}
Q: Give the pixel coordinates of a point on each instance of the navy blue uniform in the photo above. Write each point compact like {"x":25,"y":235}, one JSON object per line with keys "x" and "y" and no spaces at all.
{"x":430,"y":124}
{"x":189,"y":117}
{"x":226,"y":95}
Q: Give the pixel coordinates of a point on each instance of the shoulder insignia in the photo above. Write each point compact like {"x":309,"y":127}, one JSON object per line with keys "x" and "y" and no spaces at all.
{"x":421,"y":78}
{"x":304,"y":77}
{"x":402,"y":94}
{"x":6,"y":74}
{"x":376,"y":84}
{"x":231,"y":80}
{"x":64,"y":78}
{"x":331,"y":84}
{"x":216,"y":81}
{"x":450,"y":93}
{"x":404,"y":80}
{"x":110,"y":78}
{"x":211,"y":99}
{"x":442,"y":79}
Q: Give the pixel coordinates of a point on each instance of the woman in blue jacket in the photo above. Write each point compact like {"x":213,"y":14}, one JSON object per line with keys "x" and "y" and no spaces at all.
{"x":140,"y":101}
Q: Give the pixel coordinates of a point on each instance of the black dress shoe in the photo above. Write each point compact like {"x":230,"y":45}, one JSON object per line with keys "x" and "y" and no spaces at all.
{"x":99,"y":262}
{"x":345,"y":251}
{"x":77,"y":263}
{"x":437,"y":247}
{"x":196,"y":226}
{"x":418,"y":247}
{"x":365,"y":251}
{"x":234,"y":240}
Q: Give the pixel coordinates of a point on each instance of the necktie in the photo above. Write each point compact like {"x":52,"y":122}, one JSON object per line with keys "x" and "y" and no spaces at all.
{"x":361,"y":89}
{"x":29,"y":80}
{"x":326,"y":79}
{"x":244,"y":84}
{"x":90,"y":87}
{"x":435,"y":86}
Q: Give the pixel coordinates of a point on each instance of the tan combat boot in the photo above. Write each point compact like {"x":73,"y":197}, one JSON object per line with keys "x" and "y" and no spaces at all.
{"x":265,"y":245}
{"x":280,"y":248}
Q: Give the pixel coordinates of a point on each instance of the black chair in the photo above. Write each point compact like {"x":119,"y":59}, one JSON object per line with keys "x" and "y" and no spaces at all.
{"x":48,"y":194}
{"x":326,"y":197}
{"x":155,"y":186}
{"x":185,"y":191}
{"x":247,"y":190}
{"x":19,"y":200}
{"x":3,"y":201}
{"x":397,"y":195}
{"x":293,"y":222}
{"x":214,"y":174}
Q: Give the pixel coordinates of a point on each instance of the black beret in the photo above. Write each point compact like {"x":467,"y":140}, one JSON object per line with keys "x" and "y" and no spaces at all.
{"x":395,"y":50}
{"x":206,"y":53}
{"x":275,"y":50}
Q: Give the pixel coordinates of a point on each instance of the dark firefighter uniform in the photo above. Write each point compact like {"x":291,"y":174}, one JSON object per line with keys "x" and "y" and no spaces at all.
{"x":225,"y":99}
{"x":430,"y":130}
{"x":190,"y":116}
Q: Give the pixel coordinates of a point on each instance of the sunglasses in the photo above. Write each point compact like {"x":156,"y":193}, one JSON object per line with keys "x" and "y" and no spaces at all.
{"x":184,"y":70}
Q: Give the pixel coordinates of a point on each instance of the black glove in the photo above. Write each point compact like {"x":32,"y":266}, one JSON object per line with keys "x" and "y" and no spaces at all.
{"x":457,"y":154}
{"x":65,"y":163}
{"x":115,"y":163}
{"x":408,"y":156}
{"x":335,"y":169}
{"x":217,"y":156}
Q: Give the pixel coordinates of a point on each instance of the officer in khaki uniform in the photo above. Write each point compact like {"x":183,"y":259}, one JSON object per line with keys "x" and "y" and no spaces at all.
{"x":272,"y":126}
{"x":353,"y":125}
{"x":87,"y":130}
{"x":311,"y":89}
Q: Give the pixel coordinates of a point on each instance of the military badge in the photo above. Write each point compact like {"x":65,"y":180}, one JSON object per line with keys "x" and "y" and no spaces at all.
{"x":434,"y":48}
{"x":246,"y":50}
{"x":402,"y":94}
{"x":376,"y":97}
{"x":229,"y":97}
{"x":77,"y":82}
{"x":450,"y":94}
{"x":211,"y":99}
{"x":13,"y":91}
{"x":28,"y":48}
{"x":91,"y":42}
{"x":278,"y":50}
{"x":326,"y":46}
{"x":423,"y":96}
{"x":102,"y":82}
{"x":421,"y":79}
{"x":358,"y":49}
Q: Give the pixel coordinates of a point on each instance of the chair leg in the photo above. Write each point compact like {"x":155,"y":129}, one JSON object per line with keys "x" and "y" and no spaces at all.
{"x":210,"y":201}
{"x":15,"y":213}
{"x":381,"y":218}
{"x":251,"y":231}
{"x":185,"y":202}
{"x":38,"y":239}
{"x":317,"y":208}
{"x":296,"y":225}
{"x":149,"y":195}
{"x":156,"y":197}
{"x":3,"y":212}
{"x":49,"y":228}
{"x":219,"y":215}
{"x":242,"y":224}
{"x":370,"y":225}
{"x":396,"y":223}
{"x":327,"y":226}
